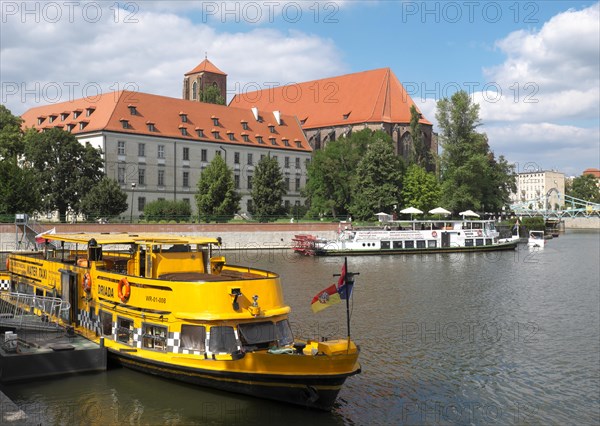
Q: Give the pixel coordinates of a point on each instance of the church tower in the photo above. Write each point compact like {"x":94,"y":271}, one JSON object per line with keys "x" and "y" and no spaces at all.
{"x":198,"y":80}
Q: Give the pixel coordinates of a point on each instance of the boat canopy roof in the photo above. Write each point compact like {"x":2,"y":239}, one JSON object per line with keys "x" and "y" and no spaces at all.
{"x":129,"y":238}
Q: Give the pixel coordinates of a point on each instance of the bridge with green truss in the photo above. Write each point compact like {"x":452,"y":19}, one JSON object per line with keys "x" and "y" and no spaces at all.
{"x":572,"y":208}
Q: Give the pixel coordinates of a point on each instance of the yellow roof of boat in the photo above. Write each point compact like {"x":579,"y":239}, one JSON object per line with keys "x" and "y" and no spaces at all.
{"x":128,"y":238}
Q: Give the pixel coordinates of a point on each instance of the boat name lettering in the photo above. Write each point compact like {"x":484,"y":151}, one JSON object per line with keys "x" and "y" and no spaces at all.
{"x":106,"y":291}
{"x":36,"y":272}
{"x":156,"y":299}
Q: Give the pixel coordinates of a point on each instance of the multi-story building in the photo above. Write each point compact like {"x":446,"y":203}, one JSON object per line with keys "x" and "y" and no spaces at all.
{"x":540,"y":190}
{"x":332,"y":107}
{"x":156,"y":147}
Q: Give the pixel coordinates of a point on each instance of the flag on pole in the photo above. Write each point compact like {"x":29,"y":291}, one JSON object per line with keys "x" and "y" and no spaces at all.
{"x":326,"y":298}
{"x":333,"y":294}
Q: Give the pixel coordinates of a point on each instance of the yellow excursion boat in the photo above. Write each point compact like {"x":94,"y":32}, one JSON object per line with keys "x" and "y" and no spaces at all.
{"x":165,"y":305}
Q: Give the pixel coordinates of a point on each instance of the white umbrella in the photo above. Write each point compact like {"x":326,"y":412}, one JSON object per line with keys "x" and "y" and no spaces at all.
{"x":468,"y":213}
{"x":439,"y":210}
{"x":411,"y":210}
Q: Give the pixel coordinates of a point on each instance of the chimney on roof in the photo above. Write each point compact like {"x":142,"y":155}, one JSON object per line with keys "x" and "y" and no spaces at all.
{"x":277,"y":115}
{"x":255,"y":112}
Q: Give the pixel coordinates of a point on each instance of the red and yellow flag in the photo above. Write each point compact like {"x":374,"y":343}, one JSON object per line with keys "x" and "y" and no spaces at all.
{"x":326,"y":298}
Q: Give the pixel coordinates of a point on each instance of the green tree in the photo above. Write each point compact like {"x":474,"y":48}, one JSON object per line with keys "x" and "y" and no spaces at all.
{"x":18,"y":186}
{"x":471,"y":177}
{"x":331,"y":172}
{"x":420,"y":155}
{"x":420,"y":188}
{"x":106,"y":199}
{"x":167,"y":210}
{"x":65,"y":169}
{"x":378,"y":182}
{"x":11,"y":134}
{"x":585,"y":187}
{"x":212,"y":95}
{"x":216,"y":199}
{"x":268,"y":189}
{"x":18,"y":189}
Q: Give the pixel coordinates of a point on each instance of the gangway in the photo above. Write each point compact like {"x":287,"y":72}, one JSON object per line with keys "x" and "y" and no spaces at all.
{"x":30,"y":312}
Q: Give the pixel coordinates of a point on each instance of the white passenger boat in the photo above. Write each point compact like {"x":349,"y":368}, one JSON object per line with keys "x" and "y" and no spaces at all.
{"x":536,"y":239}
{"x":422,"y":236}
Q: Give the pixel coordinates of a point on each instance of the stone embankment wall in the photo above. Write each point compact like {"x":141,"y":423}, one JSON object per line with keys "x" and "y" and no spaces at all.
{"x":582,"y":223}
{"x":234,"y":235}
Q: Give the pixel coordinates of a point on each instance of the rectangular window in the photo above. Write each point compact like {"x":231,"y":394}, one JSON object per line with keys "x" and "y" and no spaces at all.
{"x":297,"y":162}
{"x":203,"y":155}
{"x":125,"y":331}
{"x":141,"y":203}
{"x":236,"y":181}
{"x":161,"y":151}
{"x":246,"y":138}
{"x":286,"y":162}
{"x":161,"y":178}
{"x":231,"y":136}
{"x":245,"y":125}
{"x":106,"y":322}
{"x":121,"y":173}
{"x":250,"y":161}
{"x":141,"y":149}
{"x":287,"y":183}
{"x":236,"y":158}
{"x":154,"y":337}
{"x":249,"y":182}
{"x":186,"y":179}
{"x":222,"y":339}
{"x":121,"y":148}
{"x":217,"y":152}
{"x":297,"y":184}
{"x":186,"y":154}
{"x":193,"y":337}
{"x":142,"y":176}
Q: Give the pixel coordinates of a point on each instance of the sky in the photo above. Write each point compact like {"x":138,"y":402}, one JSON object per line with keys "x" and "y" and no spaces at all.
{"x":533,"y":67}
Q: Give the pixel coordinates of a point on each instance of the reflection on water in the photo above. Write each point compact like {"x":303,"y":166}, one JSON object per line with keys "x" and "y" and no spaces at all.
{"x":503,"y":338}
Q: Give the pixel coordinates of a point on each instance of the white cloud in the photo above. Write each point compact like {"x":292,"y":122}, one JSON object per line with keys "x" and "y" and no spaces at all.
{"x":544,"y":106}
{"x":549,"y":74}
{"x":49,"y":61}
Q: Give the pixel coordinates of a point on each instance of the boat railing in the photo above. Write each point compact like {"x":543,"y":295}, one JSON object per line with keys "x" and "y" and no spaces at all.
{"x":32,"y":312}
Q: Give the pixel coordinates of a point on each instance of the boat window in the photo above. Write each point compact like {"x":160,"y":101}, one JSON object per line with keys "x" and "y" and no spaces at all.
{"x":222,"y":339}
{"x":409,"y":244}
{"x":257,"y":333}
{"x":193,"y":337}
{"x":154,"y":336}
{"x":106,"y":322}
{"x":125,"y":331}
{"x":431,"y":243}
{"x":420,"y":243}
{"x":284,"y":333}
{"x":479,"y":242}
{"x":397,"y":244}
{"x":469,"y":242}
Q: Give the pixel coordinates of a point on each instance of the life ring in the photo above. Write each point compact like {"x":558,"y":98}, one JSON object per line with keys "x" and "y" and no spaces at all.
{"x":124,"y":290}
{"x":434,"y":234}
{"x":87,"y":282}
{"x":7,"y":264}
{"x":479,"y":233}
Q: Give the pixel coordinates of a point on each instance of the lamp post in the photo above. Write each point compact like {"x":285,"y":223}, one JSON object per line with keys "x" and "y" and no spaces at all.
{"x":132,"y":198}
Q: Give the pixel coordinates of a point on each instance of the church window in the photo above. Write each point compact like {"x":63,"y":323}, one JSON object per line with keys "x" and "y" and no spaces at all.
{"x":195,"y":90}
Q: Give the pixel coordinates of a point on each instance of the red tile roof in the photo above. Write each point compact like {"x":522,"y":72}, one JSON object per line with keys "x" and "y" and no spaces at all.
{"x":593,"y":172}
{"x":205,"y":66}
{"x":365,"y":97}
{"x":110,"y":109}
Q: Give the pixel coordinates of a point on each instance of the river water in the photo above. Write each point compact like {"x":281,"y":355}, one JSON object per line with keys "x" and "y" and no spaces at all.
{"x":495,"y":338}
